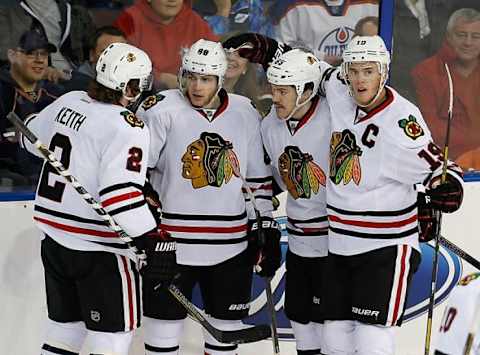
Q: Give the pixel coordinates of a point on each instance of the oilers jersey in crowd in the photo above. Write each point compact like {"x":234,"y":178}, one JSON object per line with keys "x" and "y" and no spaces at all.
{"x":197,"y":158}
{"x":298,"y":150}
{"x":376,"y":158}
{"x":105,"y":147}
{"x":324,"y":29}
{"x":459,"y":316}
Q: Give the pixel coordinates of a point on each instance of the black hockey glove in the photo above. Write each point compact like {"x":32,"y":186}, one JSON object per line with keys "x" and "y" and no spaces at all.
{"x":446,"y":197}
{"x":256,"y":48}
{"x":427,"y":223}
{"x":153,"y":201}
{"x":160,"y":249}
{"x":266,"y":251}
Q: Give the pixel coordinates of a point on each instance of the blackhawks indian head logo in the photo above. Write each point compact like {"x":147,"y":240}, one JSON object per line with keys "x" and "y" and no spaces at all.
{"x":209,"y":161}
{"x":300,"y":173}
{"x":344,"y":158}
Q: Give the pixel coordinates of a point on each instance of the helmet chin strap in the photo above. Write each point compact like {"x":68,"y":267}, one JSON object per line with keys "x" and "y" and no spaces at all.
{"x":298,"y":105}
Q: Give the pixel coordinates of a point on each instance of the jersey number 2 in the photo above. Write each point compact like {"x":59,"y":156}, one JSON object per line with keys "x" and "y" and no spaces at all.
{"x":55,"y":192}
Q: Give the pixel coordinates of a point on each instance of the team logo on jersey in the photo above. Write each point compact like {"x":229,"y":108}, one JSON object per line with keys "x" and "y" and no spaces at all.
{"x":131,"y":57}
{"x":209,"y":161}
{"x":345,"y":158}
{"x":411,"y":127}
{"x":131,"y":119}
{"x":335,"y":42}
{"x":469,"y":278}
{"x":300,"y":173}
{"x":152,"y":101}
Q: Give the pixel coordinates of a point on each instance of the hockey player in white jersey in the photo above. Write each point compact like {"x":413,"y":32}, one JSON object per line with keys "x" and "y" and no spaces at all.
{"x":380,"y":147}
{"x":92,"y":282}
{"x":296,"y":138}
{"x":461,"y":317}
{"x":202,"y":140}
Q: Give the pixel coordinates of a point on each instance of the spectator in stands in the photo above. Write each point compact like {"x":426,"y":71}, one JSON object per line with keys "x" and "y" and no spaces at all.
{"x":461,"y":51}
{"x":68,"y":27}
{"x":367,"y":26}
{"x":162,"y":28}
{"x":240,"y":78}
{"x":23,"y":91}
{"x":326,"y":26}
{"x":103,"y":37}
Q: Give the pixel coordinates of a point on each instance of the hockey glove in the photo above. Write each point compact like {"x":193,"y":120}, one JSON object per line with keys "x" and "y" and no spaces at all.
{"x":153,"y":201}
{"x":446,"y":197}
{"x":256,"y":48}
{"x":427,"y":223}
{"x":160,"y":249}
{"x":266,"y":251}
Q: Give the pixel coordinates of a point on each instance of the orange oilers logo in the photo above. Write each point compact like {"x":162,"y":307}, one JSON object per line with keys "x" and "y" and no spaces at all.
{"x":345,"y":158}
{"x":209,"y":161}
{"x":411,"y":127}
{"x":300,"y":173}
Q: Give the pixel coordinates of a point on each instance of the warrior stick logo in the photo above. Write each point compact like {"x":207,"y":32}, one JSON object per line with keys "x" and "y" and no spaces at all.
{"x":209,"y":161}
{"x":344,"y":158}
{"x":300,"y":173}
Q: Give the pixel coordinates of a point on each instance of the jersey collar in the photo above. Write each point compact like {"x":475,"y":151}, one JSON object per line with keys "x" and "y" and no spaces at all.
{"x":361,"y":115}
{"x":211,"y":114}
{"x":294,"y":125}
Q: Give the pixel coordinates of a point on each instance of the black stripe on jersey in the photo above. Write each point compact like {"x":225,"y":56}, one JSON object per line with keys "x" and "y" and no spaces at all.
{"x":210,"y":241}
{"x":260,"y":179}
{"x":311,"y":220}
{"x":69,"y":216}
{"x":55,"y":350}
{"x":375,"y":235}
{"x":127,"y":207}
{"x":112,"y":245}
{"x":374,"y":213}
{"x":307,"y":234}
{"x":157,"y":349}
{"x":221,"y":347}
{"x":204,"y":217}
{"x":263,"y":197}
{"x":118,"y":187}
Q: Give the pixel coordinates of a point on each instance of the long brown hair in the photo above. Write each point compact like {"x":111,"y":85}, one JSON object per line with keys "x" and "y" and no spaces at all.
{"x":103,"y":94}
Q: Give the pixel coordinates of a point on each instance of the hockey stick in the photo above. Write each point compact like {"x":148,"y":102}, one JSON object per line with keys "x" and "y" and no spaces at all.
{"x":473,"y":329}
{"x":433,"y":285}
{"x":247,"y":335}
{"x":268,"y":286}
{"x":458,"y":251}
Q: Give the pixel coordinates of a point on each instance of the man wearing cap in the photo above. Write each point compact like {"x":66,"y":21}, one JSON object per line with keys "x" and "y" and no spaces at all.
{"x":23,"y":91}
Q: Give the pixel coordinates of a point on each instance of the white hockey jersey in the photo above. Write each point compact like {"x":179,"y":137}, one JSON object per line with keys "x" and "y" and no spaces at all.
{"x":326,"y":30}
{"x":105,"y":147}
{"x":462,"y":310}
{"x":196,"y":161}
{"x":299,"y":156}
{"x":376,"y":158}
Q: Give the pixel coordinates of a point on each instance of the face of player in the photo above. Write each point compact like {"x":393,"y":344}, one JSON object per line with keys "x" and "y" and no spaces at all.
{"x":193,"y":168}
{"x":166,"y":9}
{"x":284,"y":170}
{"x":465,"y":40}
{"x":29,"y":67}
{"x":103,"y":42}
{"x":365,"y":81}
{"x":369,"y":29}
{"x":284,"y":98}
{"x":237,"y":66}
{"x":201,"y":89}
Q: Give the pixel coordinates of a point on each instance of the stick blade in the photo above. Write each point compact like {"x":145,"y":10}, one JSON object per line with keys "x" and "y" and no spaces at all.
{"x":247,"y":335}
